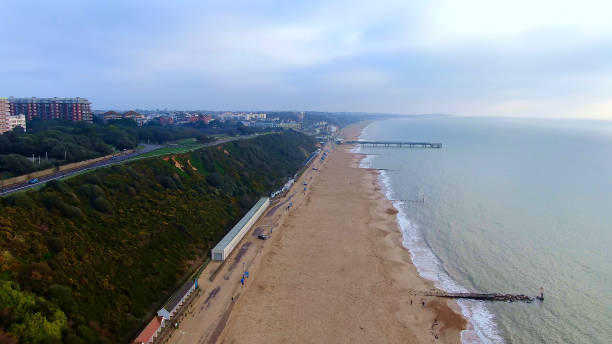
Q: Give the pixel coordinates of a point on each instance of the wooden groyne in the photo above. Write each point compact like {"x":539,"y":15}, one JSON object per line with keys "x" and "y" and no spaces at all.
{"x":486,"y":296}
{"x":397,"y":144}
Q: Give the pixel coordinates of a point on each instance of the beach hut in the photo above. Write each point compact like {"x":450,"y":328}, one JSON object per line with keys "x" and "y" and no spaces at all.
{"x":177,"y":299}
{"x":233,"y":237}
{"x":151,"y":331}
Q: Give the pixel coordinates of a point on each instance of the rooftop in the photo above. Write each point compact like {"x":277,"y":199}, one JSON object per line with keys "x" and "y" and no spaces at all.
{"x":149,"y":331}
{"x":176,"y":298}
{"x":49,"y":100}
{"x":236,"y":229}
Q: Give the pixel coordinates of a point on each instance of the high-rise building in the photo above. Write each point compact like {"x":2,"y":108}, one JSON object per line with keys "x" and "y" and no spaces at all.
{"x":68,"y":109}
{"x":4,"y":114}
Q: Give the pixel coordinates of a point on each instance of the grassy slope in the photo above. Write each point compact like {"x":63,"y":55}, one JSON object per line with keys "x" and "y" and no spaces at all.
{"x":182,"y":146}
{"x":123,"y":238}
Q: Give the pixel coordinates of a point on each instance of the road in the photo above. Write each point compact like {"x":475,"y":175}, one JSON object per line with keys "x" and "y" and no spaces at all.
{"x":107,"y":162}
{"x":111,"y":161}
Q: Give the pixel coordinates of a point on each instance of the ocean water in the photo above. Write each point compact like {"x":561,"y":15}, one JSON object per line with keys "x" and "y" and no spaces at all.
{"x":511,"y":205}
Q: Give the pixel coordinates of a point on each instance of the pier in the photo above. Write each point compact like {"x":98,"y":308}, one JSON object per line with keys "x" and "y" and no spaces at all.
{"x":397,"y":144}
{"x":486,"y":296}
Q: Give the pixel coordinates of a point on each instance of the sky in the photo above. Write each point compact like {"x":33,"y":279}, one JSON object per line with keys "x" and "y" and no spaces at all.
{"x":520,"y":58}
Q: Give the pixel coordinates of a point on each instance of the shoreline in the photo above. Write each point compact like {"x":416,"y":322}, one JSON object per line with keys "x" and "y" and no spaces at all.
{"x":361,"y":281}
{"x":467,"y":335}
{"x":385,"y":190}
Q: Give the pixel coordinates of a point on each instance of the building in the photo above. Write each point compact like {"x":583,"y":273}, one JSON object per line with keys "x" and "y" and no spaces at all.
{"x":68,"y":109}
{"x":291,"y":125}
{"x":16,"y":121}
{"x":148,"y":335}
{"x":4,"y":114}
{"x":111,"y":115}
{"x":133,"y":115}
{"x":205,"y":118}
{"x":242,"y":116}
{"x":265,"y":125}
{"x":165,"y":120}
{"x":200,"y":118}
{"x":177,"y":299}
{"x":233,"y":237}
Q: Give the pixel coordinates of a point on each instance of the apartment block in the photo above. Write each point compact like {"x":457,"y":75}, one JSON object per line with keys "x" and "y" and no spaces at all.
{"x":68,"y":109}
{"x":4,"y":114}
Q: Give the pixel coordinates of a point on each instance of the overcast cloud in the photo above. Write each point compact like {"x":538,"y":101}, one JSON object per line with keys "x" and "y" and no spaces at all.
{"x":467,"y":57}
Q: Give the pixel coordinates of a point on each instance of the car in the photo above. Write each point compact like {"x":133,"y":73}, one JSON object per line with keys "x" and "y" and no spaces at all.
{"x":315,"y":169}
{"x":33,"y":181}
{"x":305,"y":183}
{"x":262,"y":237}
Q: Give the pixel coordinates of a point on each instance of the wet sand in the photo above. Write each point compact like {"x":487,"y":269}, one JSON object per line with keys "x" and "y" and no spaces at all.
{"x":335,"y":271}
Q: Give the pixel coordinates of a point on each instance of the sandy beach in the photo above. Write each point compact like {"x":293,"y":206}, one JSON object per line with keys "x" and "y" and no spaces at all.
{"x":337,"y":272}
{"x":333,"y":271}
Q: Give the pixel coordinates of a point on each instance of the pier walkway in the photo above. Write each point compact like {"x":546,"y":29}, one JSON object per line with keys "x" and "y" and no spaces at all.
{"x":397,"y":144}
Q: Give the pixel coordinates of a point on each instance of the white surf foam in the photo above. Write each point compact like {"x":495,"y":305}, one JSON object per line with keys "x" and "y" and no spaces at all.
{"x":483,"y":328}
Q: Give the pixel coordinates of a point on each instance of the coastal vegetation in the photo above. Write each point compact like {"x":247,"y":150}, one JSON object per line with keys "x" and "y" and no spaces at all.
{"x":57,"y":142}
{"x":89,"y":259}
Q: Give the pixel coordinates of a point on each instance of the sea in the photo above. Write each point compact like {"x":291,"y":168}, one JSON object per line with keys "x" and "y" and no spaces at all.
{"x":510,"y":206}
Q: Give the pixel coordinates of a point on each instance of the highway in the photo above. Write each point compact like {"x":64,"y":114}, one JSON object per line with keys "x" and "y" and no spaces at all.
{"x":111,"y":161}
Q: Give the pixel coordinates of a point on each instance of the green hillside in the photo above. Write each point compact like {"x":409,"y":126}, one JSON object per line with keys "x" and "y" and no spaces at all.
{"x":89,"y":259}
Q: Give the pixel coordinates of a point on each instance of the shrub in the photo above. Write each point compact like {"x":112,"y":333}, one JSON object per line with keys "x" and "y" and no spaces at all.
{"x":91,"y":191}
{"x":94,"y":179}
{"x":167,"y":182}
{"x":56,"y":245}
{"x":51,"y":201}
{"x":20,"y":199}
{"x":214,"y":179}
{"x":102,"y":205}
{"x":58,"y":185}
{"x":62,"y":296}
{"x":72,"y":211}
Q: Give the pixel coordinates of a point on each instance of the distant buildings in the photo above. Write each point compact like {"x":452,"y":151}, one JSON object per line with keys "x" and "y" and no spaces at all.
{"x":230,"y":116}
{"x":113,"y":115}
{"x":4,"y":114}
{"x":16,"y":121}
{"x":68,"y":109}
{"x":264,"y":125}
{"x":291,"y":125}
{"x":200,"y":118}
{"x":165,"y":120}
{"x":7,"y":121}
{"x":323,"y":127}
